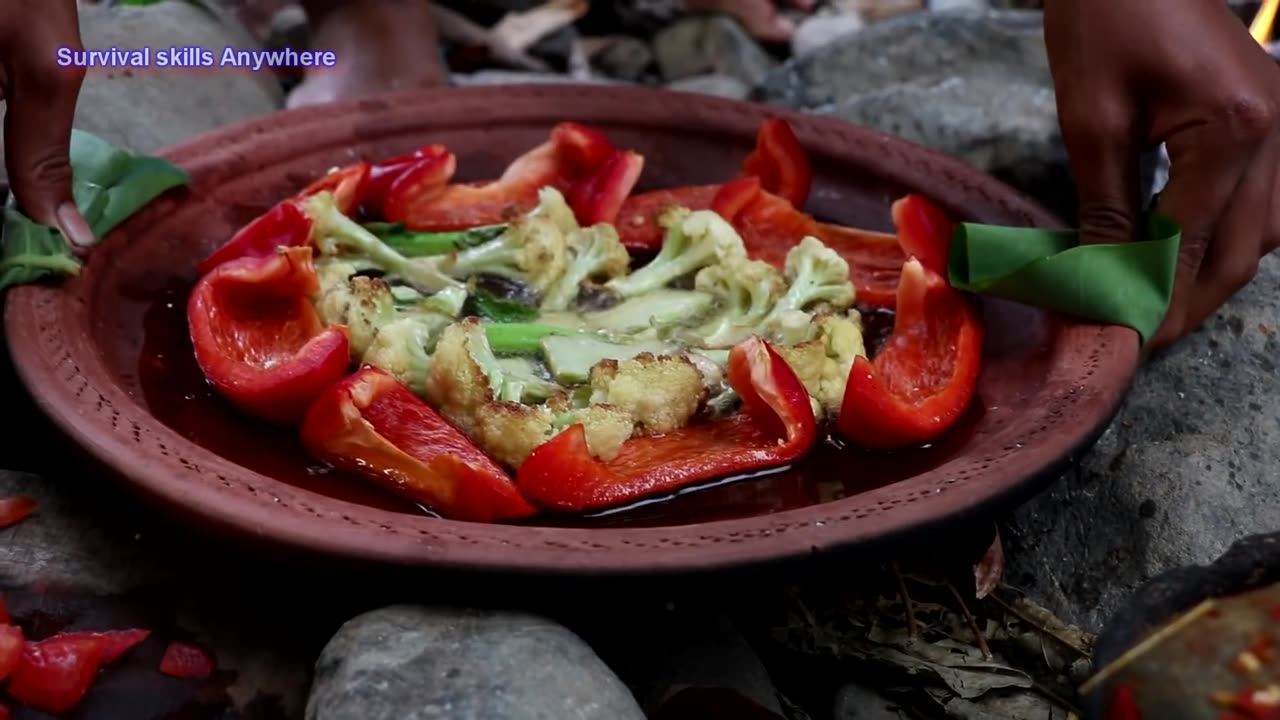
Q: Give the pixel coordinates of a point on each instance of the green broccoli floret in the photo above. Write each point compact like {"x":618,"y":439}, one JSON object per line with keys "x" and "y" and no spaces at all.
{"x":747,"y":291}
{"x":595,"y":253}
{"x":336,"y":234}
{"x":693,"y":240}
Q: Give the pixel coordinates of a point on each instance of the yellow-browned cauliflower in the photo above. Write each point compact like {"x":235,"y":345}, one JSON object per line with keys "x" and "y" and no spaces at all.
{"x":823,"y":363}
{"x":361,"y":303}
{"x":661,"y":393}
{"x":402,"y":348}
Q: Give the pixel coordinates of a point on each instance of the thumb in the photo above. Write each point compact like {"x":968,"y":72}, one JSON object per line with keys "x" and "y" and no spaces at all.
{"x":41,"y":101}
{"x":1103,"y":151}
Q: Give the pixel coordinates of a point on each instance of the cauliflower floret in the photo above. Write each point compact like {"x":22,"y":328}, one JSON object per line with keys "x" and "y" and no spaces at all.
{"x":508,"y":432}
{"x":361,"y":303}
{"x":402,"y":348}
{"x":692,"y":241}
{"x":661,"y":393}
{"x":823,"y":363}
{"x":456,"y":384}
{"x":606,"y":427}
{"x":595,"y":253}
{"x":747,"y":291}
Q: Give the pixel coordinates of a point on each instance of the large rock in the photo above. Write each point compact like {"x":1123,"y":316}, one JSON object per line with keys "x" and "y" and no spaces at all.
{"x":972,"y":84}
{"x":146,"y":109}
{"x":710,"y":44}
{"x":405,"y":662}
{"x":1188,"y":467}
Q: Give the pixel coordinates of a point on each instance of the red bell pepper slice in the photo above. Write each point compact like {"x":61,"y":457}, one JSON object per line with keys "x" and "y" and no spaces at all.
{"x":383,"y":175}
{"x":922,"y":381}
{"x":53,"y":675}
{"x":924,"y":231}
{"x":284,"y":225}
{"x":4,"y":712}
{"x":186,"y":661}
{"x":347,"y":185}
{"x":258,"y":338}
{"x":11,"y":644}
{"x":775,"y":426}
{"x":638,"y":219}
{"x":572,"y":154}
{"x":780,"y":162}
{"x":14,"y":510}
{"x":416,"y":184}
{"x":4,"y":612}
{"x":120,"y":642}
{"x":599,"y":198}
{"x":372,"y":426}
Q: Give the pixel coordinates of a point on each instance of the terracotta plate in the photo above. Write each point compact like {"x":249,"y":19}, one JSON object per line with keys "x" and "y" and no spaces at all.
{"x":107,"y":356}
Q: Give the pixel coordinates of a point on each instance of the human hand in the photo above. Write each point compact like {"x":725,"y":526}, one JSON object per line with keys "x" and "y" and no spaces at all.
{"x":1130,"y":75}
{"x":40,"y":99}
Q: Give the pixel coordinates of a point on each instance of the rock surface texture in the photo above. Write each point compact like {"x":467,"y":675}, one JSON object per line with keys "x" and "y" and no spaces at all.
{"x":1187,"y":468}
{"x":414,"y":663}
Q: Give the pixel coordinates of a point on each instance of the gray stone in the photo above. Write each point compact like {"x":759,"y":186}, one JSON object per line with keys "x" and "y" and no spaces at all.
{"x":624,"y":57}
{"x":145,"y":109}
{"x":713,"y":84}
{"x":1188,"y":467}
{"x":822,"y":29}
{"x":972,"y":84}
{"x":415,"y":663}
{"x":711,"y":43}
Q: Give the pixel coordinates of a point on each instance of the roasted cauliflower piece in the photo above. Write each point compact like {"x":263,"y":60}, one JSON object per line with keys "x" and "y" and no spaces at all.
{"x":661,"y":393}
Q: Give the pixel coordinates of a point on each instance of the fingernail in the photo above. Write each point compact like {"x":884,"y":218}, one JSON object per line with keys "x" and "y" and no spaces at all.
{"x":73,"y":226}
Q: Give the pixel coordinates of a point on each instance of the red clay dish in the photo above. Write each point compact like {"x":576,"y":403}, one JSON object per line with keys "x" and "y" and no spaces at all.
{"x":108,"y":357}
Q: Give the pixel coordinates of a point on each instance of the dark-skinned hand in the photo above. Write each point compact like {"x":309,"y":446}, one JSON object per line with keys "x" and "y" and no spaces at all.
{"x":40,"y":103}
{"x":1131,"y":74}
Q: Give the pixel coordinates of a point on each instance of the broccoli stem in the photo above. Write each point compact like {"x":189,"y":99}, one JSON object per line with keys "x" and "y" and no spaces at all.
{"x":427,"y":244}
{"x":521,"y":338}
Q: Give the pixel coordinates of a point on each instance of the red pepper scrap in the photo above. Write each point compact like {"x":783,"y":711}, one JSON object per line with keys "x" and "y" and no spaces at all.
{"x":923,"y":379}
{"x":284,"y":225}
{"x":258,"y":338}
{"x":120,"y":642}
{"x":371,"y":425}
{"x":775,"y":426}
{"x":347,"y":185}
{"x":1123,"y":705}
{"x":11,"y":644}
{"x":186,"y":661}
{"x":16,"y":509}
{"x":780,"y":162}
{"x":924,"y":231}
{"x":638,"y":219}
{"x":400,"y":188}
{"x":4,"y":612}
{"x":53,"y":675}
{"x":599,"y":198}
{"x":573,"y":154}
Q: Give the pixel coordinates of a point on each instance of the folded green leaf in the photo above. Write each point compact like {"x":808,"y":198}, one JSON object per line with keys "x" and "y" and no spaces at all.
{"x":486,"y":305}
{"x":1127,"y":284}
{"x":108,"y":185}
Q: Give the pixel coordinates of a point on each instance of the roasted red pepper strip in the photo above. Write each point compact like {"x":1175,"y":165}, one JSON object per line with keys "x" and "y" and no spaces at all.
{"x":780,"y":162}
{"x":11,"y":644}
{"x":414,"y":184}
{"x":347,"y":185}
{"x":923,"y":379}
{"x":599,"y":198}
{"x":259,"y":340}
{"x":924,"y":231}
{"x":187,"y":661}
{"x":284,"y":225}
{"x":53,"y":675}
{"x":572,"y":154}
{"x":371,"y":425}
{"x":14,"y":510}
{"x":775,"y":426}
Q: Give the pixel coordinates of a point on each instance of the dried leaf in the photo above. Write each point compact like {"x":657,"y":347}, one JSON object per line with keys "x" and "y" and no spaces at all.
{"x":997,"y":706}
{"x":989,"y":571}
{"x":521,"y":30}
{"x":967,"y":679}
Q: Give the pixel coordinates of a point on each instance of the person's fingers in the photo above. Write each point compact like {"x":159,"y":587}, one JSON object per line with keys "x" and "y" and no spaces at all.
{"x":41,"y":101}
{"x":1208,"y":162}
{"x":1102,"y":144}
{"x":1246,"y":227}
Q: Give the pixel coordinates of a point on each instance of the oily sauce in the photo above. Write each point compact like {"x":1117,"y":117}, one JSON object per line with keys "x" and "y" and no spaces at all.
{"x":178,"y":395}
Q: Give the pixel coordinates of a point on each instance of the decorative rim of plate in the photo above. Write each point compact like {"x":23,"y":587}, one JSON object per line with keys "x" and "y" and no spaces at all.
{"x":54,"y":353}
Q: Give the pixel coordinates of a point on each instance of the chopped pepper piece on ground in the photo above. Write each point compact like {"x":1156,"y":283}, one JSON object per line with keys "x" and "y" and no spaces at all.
{"x":371,"y":425}
{"x":921,"y":382}
{"x":54,"y":674}
{"x":775,"y":426}
{"x":186,"y":661}
{"x":780,"y":163}
{"x":284,"y":225}
{"x":120,"y":642}
{"x":259,"y":340}
{"x":574,"y":154}
{"x":14,"y":510}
